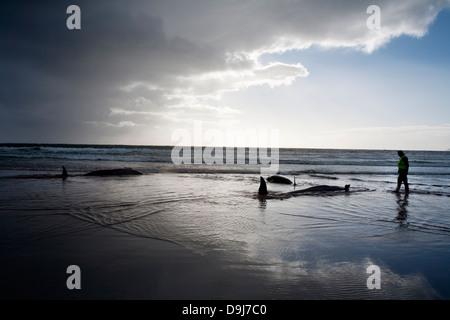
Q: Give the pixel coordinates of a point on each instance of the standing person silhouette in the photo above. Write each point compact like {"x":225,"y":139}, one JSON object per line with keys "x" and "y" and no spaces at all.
{"x":403,"y":167}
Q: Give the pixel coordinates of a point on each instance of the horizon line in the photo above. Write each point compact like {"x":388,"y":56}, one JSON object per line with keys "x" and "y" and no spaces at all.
{"x":197,"y":146}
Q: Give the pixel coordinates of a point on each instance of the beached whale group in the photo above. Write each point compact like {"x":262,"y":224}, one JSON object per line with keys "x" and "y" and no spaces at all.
{"x":262,"y":191}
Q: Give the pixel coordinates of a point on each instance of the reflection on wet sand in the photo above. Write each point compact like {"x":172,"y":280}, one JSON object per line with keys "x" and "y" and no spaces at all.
{"x":402,"y":201}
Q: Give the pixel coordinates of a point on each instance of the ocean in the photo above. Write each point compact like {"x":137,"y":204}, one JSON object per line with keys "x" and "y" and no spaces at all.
{"x":200,"y":231}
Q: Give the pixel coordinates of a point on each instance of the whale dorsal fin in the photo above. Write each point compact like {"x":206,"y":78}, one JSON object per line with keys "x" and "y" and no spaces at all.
{"x":64,"y":172}
{"x":262,"y":191}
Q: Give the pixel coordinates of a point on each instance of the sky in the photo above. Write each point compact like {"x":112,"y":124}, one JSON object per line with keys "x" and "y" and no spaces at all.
{"x":284,"y":73}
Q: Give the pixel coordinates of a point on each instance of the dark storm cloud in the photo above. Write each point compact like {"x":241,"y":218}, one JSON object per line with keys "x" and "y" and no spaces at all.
{"x":59,"y":78}
{"x":56,"y":79}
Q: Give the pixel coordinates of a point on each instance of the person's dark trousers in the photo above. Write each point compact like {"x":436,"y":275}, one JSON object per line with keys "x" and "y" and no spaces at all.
{"x":402,"y":177}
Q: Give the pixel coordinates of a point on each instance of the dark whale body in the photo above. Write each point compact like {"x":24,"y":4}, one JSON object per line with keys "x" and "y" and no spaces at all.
{"x":322,"y":188}
{"x":64,"y":174}
{"x":114,"y":172}
{"x":279,"y":179}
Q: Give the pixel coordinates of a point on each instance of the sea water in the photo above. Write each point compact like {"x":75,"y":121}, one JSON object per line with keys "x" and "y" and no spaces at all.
{"x":305,"y":247}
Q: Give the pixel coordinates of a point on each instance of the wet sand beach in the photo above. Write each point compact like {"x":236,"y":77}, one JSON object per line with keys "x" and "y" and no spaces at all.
{"x":209,"y":236}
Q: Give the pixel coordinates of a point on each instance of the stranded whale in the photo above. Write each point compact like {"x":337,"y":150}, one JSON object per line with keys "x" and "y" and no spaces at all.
{"x":279,"y":179}
{"x":64,"y":174}
{"x":262,"y":191}
{"x":322,"y":188}
{"x":114,"y":172}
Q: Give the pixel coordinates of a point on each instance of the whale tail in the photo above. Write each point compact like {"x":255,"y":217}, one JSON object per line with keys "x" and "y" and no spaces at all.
{"x":262,"y":191}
